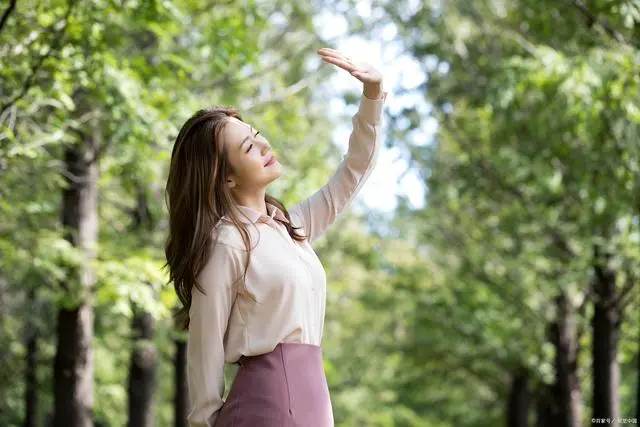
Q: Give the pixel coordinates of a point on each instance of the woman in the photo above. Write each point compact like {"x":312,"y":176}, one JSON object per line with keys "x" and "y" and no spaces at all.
{"x":252,"y":288}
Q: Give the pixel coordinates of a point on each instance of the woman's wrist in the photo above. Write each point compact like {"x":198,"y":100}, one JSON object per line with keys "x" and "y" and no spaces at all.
{"x":372,"y":90}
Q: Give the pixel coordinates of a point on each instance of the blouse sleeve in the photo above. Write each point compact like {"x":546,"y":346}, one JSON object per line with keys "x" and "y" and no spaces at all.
{"x":320,"y":210}
{"x":208,"y":318}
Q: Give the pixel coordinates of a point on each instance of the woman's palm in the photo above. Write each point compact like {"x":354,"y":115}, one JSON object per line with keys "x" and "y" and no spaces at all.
{"x":363,"y":71}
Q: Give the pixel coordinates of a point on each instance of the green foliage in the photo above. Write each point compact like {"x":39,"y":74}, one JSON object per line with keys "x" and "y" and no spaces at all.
{"x":535,"y":161}
{"x":128,"y":74}
{"x":430,"y":313}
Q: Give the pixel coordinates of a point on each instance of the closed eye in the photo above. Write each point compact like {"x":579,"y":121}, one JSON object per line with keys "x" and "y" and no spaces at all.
{"x":248,"y":149}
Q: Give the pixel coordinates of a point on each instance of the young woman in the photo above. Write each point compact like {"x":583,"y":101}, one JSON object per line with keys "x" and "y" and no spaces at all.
{"x":252,"y":288}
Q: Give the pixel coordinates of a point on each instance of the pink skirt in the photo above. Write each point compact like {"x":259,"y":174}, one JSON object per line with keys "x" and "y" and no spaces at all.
{"x":284,"y":388}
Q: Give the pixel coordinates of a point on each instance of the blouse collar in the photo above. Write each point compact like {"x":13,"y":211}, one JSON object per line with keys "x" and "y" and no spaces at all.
{"x":251,"y":216}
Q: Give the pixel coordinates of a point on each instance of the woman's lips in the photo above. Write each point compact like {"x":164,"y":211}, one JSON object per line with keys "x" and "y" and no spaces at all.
{"x":271,"y":161}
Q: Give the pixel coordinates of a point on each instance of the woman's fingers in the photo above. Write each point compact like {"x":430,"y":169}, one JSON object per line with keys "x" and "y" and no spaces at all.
{"x":362,"y":71}
{"x":330,"y":53}
{"x":340,"y":63}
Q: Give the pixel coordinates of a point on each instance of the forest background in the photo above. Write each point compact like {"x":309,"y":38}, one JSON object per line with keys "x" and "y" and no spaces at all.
{"x":509,"y":298}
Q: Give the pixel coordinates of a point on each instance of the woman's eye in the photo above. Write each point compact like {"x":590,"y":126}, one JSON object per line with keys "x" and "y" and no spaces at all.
{"x":249,"y":148}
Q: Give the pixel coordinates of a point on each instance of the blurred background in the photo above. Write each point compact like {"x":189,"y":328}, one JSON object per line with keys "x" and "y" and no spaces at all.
{"x":488,"y":274}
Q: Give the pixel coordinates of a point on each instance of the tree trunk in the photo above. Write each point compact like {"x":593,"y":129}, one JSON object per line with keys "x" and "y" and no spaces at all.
{"x":638,"y":378}
{"x":546,"y":410}
{"x":518,"y":401}
{"x":73,"y":366}
{"x":73,"y":369}
{"x":181,"y":398}
{"x":142,"y":371}
{"x":567,"y":385}
{"x":605,"y":325}
{"x":144,"y":355}
{"x":31,"y":379}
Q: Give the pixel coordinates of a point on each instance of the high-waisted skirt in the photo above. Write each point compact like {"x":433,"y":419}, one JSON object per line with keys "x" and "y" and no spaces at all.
{"x":283,"y":388}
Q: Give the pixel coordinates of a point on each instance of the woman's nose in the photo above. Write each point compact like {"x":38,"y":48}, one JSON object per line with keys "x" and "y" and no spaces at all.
{"x":265,"y":147}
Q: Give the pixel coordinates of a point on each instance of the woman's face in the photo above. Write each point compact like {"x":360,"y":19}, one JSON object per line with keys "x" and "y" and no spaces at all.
{"x":248,"y":153}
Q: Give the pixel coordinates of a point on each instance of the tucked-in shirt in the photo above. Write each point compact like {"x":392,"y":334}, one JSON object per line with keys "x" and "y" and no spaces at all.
{"x":283,"y":296}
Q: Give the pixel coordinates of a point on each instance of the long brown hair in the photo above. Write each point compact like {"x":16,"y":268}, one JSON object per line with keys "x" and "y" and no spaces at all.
{"x":197,"y":198}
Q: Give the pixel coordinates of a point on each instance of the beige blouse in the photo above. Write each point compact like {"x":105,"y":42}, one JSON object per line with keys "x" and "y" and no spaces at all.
{"x":283,"y":297}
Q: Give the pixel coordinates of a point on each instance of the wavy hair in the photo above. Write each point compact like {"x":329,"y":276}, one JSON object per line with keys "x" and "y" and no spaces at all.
{"x":197,"y":198}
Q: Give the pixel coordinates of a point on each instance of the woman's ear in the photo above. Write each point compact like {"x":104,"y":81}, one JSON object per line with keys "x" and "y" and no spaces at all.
{"x":231,"y":183}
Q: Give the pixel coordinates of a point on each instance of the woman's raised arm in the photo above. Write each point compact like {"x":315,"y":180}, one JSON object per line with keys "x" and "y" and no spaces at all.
{"x":317,"y":212}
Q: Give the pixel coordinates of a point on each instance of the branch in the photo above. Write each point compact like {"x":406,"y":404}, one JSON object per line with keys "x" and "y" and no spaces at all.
{"x":559,"y":241}
{"x":581,"y":311}
{"x":105,"y":146}
{"x":507,"y":297}
{"x":411,"y":352}
{"x":490,"y":379}
{"x":10,"y":115}
{"x":51,"y":136}
{"x":286,"y":92}
{"x":630,"y":281}
{"x":505,"y":293}
{"x":260,"y":73}
{"x":7,"y":12}
{"x":592,"y":20}
{"x":625,"y":292}
{"x":126,"y":209}
{"x":59,"y":34}
{"x":496,"y":28}
{"x":235,"y":77}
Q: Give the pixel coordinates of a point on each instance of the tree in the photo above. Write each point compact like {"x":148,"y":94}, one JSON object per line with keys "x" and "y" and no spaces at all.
{"x":537,"y":110}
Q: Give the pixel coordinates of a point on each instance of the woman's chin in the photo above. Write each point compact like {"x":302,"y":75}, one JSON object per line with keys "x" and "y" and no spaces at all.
{"x":275,"y":173}
{"x":275,"y":169}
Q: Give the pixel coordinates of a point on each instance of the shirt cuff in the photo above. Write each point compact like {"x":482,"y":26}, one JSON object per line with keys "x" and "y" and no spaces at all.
{"x":371,"y":109}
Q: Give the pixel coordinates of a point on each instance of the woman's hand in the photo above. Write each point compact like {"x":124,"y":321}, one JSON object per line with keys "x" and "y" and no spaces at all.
{"x":366,"y":73}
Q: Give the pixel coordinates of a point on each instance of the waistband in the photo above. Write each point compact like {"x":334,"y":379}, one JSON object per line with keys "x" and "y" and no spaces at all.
{"x":299,"y":349}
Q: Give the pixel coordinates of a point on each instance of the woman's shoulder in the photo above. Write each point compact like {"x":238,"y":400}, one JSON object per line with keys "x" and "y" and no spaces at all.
{"x":225,"y":233}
